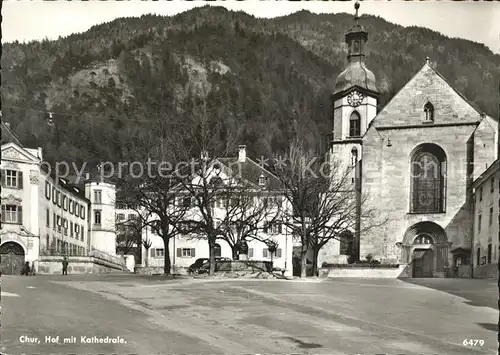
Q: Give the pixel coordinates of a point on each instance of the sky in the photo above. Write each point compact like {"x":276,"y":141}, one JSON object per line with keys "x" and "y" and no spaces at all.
{"x":35,"y":20}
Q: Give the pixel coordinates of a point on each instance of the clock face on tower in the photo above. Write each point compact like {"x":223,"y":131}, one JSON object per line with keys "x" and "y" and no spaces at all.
{"x":355,"y":98}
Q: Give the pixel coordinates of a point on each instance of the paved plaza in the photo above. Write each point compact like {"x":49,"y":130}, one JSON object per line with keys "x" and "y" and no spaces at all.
{"x":156,"y":316}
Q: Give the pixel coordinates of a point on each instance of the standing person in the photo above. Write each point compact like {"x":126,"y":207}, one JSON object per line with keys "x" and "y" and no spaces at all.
{"x":65,"y":266}
{"x":26,"y":269}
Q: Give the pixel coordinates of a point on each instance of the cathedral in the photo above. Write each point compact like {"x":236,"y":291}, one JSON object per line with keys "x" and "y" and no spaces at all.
{"x":414,"y":161}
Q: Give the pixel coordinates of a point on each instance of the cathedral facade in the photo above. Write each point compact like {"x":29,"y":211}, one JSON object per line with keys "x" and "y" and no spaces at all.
{"x":413,"y":161}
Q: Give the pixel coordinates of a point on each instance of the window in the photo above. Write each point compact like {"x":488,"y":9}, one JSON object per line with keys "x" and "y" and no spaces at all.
{"x":262,"y":180}
{"x":71,"y":229}
{"x":159,"y":253}
{"x":479,"y":223}
{"x":65,"y":202}
{"x":65,"y":226}
{"x":429,"y":112}
{"x":489,"y":253}
{"x":186,"y":201}
{"x":97,"y":217}
{"x":12,"y":178}
{"x":71,"y":210}
{"x":120,"y":217}
{"x":356,"y":47}
{"x":59,"y":224}
{"x":77,"y":209}
{"x":47,"y":190}
{"x":250,"y":252}
{"x":98,"y":196}
{"x":478,"y":257}
{"x":47,"y":241}
{"x":82,"y":232}
{"x":132,"y":217}
{"x":355,"y":124}
{"x":346,"y":243}
{"x":12,"y":214}
{"x":428,"y":183}
{"x":273,"y":228}
{"x":492,"y":189}
{"x":54,"y":221}
{"x":491,"y":216}
{"x":82,"y":212}
{"x":58,"y":194}
{"x":481,"y":193}
{"x":47,"y":217}
{"x":217,"y":250}
{"x":186,"y":252}
{"x":54,"y":197}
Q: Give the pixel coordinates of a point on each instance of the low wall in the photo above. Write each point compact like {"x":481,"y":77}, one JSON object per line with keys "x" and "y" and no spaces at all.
{"x":402,"y":271}
{"x":486,"y":271}
{"x":77,"y":265}
{"x":243,"y":265}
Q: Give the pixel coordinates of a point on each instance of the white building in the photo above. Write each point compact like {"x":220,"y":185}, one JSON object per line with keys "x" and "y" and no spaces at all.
{"x":185,"y":249}
{"x":42,"y":216}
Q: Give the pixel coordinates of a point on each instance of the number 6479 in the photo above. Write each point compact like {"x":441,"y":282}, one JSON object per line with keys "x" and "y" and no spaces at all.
{"x":473,"y":342}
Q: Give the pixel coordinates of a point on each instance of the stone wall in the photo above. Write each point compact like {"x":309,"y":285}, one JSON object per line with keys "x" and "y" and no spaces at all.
{"x":77,"y":265}
{"x":365,"y":272}
{"x":486,"y":271}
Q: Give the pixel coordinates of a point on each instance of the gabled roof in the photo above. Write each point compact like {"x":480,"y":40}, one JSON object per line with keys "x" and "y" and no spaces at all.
{"x":427,"y":85}
{"x":8,"y":136}
{"x":251,"y":171}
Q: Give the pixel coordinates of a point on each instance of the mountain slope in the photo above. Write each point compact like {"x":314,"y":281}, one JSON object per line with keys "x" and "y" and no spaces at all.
{"x":265,"y":79}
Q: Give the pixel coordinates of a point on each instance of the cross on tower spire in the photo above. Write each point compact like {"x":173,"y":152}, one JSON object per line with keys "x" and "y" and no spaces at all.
{"x":356,"y":16}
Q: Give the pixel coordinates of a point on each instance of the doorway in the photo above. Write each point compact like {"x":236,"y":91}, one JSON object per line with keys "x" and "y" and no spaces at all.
{"x":422,"y":263}
{"x":11,"y":258}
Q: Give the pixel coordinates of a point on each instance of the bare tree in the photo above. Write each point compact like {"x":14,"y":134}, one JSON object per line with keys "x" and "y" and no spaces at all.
{"x":246,"y":210}
{"x":146,"y":243}
{"x":272,"y":247}
{"x":153,"y":193}
{"x":128,"y":236}
{"x":323,"y":201}
{"x":207,"y":140}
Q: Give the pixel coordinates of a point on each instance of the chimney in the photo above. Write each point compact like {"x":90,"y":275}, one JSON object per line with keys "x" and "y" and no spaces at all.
{"x":40,"y":155}
{"x":87,"y":176}
{"x":242,"y":153}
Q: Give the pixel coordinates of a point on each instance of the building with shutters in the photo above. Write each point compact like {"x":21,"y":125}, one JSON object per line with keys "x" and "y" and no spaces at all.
{"x":486,"y":232}
{"x":415,"y":160}
{"x":184,"y":249}
{"x":44,"y":216}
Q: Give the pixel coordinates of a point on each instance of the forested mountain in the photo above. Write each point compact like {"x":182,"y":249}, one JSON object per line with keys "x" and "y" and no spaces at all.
{"x":264,"y":78}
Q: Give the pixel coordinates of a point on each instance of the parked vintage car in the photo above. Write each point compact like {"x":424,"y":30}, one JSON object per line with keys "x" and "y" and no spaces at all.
{"x":202,"y":265}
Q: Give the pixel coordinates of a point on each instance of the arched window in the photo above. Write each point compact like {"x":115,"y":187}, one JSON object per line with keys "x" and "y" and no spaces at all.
{"x":356,"y":47}
{"x":355,"y":125}
{"x":429,"y":112}
{"x":217,"y":250}
{"x":428,"y":179}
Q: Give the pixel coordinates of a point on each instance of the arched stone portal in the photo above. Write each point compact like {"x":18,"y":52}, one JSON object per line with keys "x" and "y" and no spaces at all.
{"x":425,"y":247}
{"x":11,"y":258}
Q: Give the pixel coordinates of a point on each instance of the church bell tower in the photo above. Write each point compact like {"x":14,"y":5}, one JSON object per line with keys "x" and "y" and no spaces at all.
{"x":354,"y":99}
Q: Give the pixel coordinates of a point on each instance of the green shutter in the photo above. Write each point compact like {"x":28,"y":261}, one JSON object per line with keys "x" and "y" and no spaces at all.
{"x":20,"y":180}
{"x":179,"y":252}
{"x":193,"y":252}
{"x":20,"y":214}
